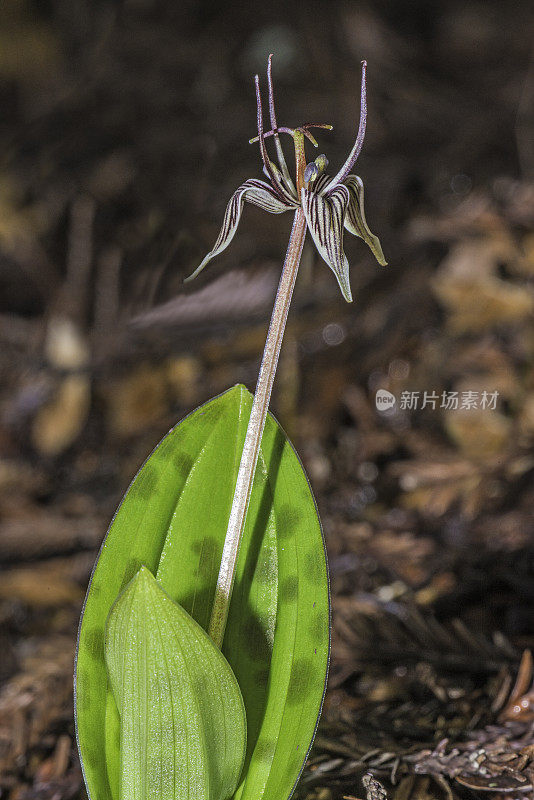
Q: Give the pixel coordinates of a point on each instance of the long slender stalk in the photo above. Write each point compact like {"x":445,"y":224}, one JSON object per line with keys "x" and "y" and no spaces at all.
{"x":258,"y":414}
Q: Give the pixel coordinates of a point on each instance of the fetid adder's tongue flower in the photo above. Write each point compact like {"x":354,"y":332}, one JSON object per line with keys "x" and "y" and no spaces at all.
{"x":329,"y":204}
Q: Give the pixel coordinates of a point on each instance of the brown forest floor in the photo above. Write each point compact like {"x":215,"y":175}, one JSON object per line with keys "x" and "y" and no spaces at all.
{"x":124,"y":130}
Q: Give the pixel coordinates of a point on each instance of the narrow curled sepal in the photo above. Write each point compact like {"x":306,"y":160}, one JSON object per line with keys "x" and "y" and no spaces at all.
{"x":253,"y":191}
{"x":325,"y":215}
{"x":355,"y":221}
{"x":355,"y":152}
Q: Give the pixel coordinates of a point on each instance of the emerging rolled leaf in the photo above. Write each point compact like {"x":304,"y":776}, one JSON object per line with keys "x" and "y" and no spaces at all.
{"x":253,"y":191}
{"x":355,"y":221}
{"x":182,"y":719}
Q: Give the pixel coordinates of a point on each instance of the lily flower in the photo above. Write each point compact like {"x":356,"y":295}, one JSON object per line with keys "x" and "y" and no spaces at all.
{"x":330,"y":204}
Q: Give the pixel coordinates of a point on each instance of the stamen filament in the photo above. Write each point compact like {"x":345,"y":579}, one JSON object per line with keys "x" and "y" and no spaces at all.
{"x":309,"y":136}
{"x":302,"y":128}
{"x":322,"y":125}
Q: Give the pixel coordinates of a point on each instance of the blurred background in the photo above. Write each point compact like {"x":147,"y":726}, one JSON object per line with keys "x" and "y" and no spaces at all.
{"x":124,"y":130}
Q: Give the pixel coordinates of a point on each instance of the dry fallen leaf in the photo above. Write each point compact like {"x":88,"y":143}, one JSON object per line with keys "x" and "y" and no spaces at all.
{"x":136,"y":400}
{"x":59,"y":423}
{"x":474,"y":296}
{"x":480,"y":435}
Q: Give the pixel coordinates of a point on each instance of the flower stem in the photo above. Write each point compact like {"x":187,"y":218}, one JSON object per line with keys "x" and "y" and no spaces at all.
{"x":258,"y":414}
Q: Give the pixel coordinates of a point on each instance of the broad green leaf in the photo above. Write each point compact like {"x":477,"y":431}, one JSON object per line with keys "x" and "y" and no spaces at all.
{"x":182,"y":719}
{"x":173,"y":520}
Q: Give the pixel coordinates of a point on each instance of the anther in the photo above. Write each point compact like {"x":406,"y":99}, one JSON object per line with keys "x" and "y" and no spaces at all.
{"x":322,"y":162}
{"x":291,"y":131}
{"x":311,"y":172}
{"x":315,"y":168}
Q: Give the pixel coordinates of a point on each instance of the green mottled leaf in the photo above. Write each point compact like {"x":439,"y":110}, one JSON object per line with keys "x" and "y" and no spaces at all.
{"x":173,"y":520}
{"x":182,"y":719}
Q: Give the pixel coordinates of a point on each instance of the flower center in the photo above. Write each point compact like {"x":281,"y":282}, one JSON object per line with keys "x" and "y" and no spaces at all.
{"x":304,"y":174}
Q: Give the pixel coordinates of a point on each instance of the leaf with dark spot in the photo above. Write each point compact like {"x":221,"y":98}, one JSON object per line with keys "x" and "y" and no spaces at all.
{"x":277,"y":636}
